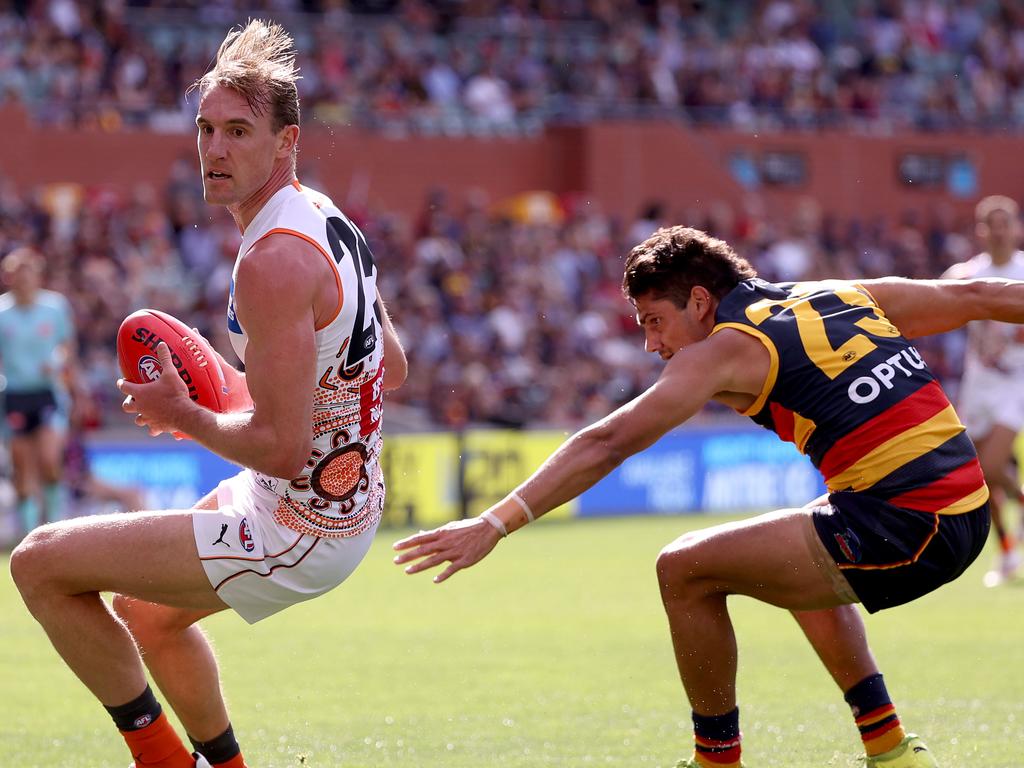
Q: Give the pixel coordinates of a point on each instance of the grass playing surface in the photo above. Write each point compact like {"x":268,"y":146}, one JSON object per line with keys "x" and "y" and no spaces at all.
{"x":552,"y":652}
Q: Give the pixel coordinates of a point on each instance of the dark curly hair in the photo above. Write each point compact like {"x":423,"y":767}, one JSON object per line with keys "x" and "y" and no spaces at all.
{"x":669,"y":263}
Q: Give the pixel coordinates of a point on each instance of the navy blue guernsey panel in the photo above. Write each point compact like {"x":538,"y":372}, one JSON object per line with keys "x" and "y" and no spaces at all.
{"x":854,"y":395}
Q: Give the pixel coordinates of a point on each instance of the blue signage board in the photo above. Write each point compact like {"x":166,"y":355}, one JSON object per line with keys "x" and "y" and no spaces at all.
{"x":707,"y":470}
{"x":171,"y":475}
{"x":737,"y":469}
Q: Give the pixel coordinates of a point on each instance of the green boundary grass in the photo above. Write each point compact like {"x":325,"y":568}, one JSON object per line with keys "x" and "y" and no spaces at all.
{"x":553,"y":652}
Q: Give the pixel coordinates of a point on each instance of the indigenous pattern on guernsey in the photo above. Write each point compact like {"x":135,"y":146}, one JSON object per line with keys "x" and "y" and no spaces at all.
{"x":854,"y":396}
{"x":341,"y":491}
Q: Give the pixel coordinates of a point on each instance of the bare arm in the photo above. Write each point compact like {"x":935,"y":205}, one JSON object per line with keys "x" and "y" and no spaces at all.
{"x":924,"y":307}
{"x":396,"y":367}
{"x":274,"y":294}
{"x":694,"y":375}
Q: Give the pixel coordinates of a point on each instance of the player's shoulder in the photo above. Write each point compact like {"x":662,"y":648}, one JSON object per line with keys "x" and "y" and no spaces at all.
{"x":309,"y":202}
{"x":964,"y":270}
{"x":48,"y":298}
{"x":281,"y":264}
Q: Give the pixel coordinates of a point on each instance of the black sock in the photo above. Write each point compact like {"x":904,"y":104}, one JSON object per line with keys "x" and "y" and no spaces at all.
{"x":137,"y":713}
{"x":219,"y":749}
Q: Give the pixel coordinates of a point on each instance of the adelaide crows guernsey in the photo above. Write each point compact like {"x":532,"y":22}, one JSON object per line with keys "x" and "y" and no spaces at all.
{"x":855,"y":396}
{"x":340,"y":492}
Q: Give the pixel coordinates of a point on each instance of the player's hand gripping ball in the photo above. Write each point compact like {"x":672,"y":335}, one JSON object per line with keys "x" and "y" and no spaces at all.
{"x":194,"y":359}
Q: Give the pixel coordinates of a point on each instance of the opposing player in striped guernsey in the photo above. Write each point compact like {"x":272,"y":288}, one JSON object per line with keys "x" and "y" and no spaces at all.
{"x":305,"y":317}
{"x":828,"y":366}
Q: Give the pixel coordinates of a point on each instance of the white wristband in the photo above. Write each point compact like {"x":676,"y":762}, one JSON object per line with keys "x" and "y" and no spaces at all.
{"x":492,"y":518}
{"x":524,"y":506}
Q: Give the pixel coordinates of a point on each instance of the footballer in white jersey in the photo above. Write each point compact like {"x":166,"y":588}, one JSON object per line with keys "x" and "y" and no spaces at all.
{"x":991,"y":401}
{"x":340,"y":491}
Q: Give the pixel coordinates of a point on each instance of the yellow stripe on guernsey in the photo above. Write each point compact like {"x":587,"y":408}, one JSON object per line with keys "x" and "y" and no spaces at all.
{"x":802,"y":431}
{"x":898,"y":451}
{"x":969,"y":502}
{"x":773,"y":367}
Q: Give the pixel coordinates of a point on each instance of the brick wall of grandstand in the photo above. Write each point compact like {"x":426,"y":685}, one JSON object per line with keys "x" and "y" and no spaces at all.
{"x":514,"y":66}
{"x":505,"y":321}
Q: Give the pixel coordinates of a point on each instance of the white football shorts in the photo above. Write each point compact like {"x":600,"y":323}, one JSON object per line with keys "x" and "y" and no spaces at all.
{"x":259,"y":567}
{"x":989,"y":398}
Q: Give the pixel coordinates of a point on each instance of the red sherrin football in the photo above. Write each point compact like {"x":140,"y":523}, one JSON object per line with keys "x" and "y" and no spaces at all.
{"x":194,"y":359}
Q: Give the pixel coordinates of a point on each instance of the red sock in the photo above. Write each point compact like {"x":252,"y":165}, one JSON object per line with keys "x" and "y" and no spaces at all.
{"x":158,"y":746}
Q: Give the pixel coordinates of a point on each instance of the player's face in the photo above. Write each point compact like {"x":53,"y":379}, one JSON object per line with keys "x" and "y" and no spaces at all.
{"x":667,"y":328}
{"x":237,"y":147}
{"x":25,"y":278}
{"x":1000,"y":231}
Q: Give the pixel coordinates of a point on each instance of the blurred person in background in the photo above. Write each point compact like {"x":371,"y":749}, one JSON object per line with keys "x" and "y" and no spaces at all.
{"x":37,"y":352}
{"x":991,"y":400}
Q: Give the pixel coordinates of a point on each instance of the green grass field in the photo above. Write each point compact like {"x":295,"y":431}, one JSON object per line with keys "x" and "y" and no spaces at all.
{"x":553,"y":652}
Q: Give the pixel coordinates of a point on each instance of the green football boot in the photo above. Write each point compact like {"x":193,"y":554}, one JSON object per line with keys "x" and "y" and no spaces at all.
{"x":909,"y":753}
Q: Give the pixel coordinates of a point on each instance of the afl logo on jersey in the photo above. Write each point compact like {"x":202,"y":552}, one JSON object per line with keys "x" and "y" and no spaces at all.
{"x":149,"y":368}
{"x":245,"y":536}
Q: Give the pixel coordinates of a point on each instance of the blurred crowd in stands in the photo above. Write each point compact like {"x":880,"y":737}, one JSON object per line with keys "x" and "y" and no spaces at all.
{"x":508,"y":318}
{"x":493,"y":66}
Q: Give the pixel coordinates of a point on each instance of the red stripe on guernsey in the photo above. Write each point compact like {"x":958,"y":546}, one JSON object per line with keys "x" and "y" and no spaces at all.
{"x":906,"y":414}
{"x":785,"y":422}
{"x":959,"y":483}
{"x":370,"y":395}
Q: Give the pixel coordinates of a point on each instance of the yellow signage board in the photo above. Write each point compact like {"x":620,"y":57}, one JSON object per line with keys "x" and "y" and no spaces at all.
{"x":437,"y":477}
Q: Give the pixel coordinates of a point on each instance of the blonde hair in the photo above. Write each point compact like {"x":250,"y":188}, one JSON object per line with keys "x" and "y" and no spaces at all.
{"x":258,"y":61}
{"x":989,"y":205}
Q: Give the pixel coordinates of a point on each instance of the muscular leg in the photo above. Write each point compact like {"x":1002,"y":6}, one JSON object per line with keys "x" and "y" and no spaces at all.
{"x":838,"y":637}
{"x":768,"y":558}
{"x":994,"y":452}
{"x":49,"y":447}
{"x":62,"y":568}
{"x":25,"y":479}
{"x":179,"y":658}
{"x":181,"y":662}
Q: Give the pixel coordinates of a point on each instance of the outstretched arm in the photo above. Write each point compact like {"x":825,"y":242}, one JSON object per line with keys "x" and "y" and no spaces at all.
{"x":924,"y":307}
{"x":692,"y":377}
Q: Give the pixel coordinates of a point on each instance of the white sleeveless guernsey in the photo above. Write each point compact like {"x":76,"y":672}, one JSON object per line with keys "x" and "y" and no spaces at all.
{"x":994,"y":346}
{"x":340,"y":490}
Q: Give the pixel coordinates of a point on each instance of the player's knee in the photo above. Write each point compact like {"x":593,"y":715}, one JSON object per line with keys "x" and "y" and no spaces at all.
{"x":147,"y":622}
{"x":136,"y":615}
{"x":678,"y":566}
{"x":33,"y":562}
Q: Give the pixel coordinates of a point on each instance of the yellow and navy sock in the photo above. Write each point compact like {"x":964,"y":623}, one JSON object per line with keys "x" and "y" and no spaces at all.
{"x":717,"y":740}
{"x":875,"y":715}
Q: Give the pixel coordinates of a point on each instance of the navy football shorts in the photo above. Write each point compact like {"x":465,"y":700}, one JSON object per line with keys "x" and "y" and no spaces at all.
{"x":890,"y":555}
{"x":28,"y":411}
